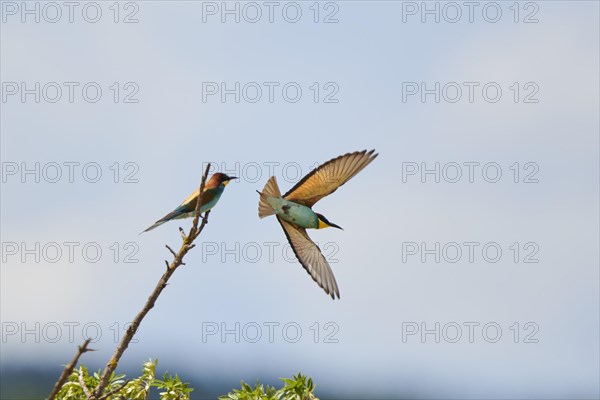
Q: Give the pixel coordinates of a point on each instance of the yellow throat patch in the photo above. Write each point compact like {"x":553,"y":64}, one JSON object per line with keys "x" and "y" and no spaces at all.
{"x":322,"y":224}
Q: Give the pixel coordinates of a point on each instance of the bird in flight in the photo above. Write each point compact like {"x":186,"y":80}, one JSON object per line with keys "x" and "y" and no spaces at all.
{"x":213,"y":189}
{"x":294,"y":211}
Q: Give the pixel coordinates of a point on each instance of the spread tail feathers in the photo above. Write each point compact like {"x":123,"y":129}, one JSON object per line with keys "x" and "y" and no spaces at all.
{"x":270,"y":190}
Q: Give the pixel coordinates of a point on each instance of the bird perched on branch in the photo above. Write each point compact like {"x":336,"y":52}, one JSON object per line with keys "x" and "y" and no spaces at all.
{"x":294,"y":211}
{"x":213,"y":189}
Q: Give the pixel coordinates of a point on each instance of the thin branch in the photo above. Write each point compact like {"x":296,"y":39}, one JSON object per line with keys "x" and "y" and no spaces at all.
{"x":171,"y":250}
{"x":107,"y":395}
{"x":162,"y":283}
{"x":69,"y":369}
{"x":86,"y":390}
{"x":194,"y":231}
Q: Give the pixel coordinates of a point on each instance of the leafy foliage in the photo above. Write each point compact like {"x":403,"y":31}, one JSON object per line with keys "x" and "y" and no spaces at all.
{"x":170,"y":387}
{"x":299,"y":388}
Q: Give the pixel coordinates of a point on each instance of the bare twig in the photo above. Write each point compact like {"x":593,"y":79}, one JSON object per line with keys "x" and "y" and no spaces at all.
{"x":69,"y":369}
{"x":171,"y":250}
{"x":162,"y":283}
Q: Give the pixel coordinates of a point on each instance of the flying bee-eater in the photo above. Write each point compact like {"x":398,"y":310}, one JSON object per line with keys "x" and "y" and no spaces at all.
{"x":294,"y":211}
{"x":213,"y":189}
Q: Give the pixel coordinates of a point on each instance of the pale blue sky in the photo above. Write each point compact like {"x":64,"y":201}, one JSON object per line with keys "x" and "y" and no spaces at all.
{"x":170,"y":133}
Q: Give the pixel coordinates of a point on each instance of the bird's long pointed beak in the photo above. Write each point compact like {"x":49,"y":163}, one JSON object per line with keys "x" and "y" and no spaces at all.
{"x":334,"y":225}
{"x":229,"y":180}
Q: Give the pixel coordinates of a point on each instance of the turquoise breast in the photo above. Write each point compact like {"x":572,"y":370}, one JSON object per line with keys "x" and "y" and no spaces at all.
{"x":214,"y":200}
{"x":294,"y":213}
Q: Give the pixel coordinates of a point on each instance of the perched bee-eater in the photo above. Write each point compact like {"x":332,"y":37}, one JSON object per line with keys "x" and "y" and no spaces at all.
{"x":213,"y":189}
{"x":294,"y":211}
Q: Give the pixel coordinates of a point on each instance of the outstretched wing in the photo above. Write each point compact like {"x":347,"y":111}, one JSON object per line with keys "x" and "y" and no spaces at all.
{"x":325,"y":179}
{"x":311,"y":258}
